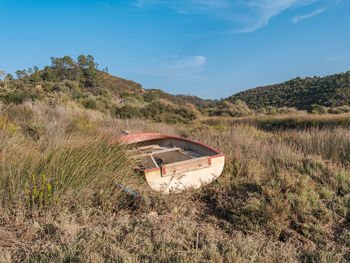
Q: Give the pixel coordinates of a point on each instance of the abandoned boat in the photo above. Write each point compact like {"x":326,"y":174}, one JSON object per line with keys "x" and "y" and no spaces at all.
{"x":172,"y":164}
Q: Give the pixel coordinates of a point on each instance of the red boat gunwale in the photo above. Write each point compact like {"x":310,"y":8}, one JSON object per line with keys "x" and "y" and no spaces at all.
{"x":146,"y":136}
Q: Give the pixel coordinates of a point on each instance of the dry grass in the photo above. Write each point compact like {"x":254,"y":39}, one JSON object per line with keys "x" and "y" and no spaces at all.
{"x":285,"y":121}
{"x":283,"y":196}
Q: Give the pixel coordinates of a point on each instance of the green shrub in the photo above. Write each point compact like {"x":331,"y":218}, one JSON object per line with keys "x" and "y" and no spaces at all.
{"x":150,"y":96}
{"x":58,"y":87}
{"x":127,"y":112}
{"x":171,"y":119}
{"x":318,"y":109}
{"x":339,"y":110}
{"x":271,"y":110}
{"x":286,"y":110}
{"x":19,"y":96}
{"x":48,"y":86}
{"x":126,"y":95}
{"x":235,"y":109}
{"x":89,"y":103}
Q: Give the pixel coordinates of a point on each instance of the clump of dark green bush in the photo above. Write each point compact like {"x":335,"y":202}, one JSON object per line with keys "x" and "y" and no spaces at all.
{"x":339,"y":110}
{"x":318,"y":109}
{"x":156,"y":111}
{"x":19,"y":96}
{"x":228,"y":109}
{"x":89,"y":103}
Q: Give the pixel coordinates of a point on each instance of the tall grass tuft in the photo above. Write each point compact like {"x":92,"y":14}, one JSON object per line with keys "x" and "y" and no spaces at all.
{"x":80,"y":167}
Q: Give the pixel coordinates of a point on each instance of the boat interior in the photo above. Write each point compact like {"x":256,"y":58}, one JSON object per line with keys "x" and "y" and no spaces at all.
{"x":163,"y":152}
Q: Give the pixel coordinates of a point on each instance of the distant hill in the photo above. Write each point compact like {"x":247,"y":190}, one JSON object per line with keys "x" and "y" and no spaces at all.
{"x":118,"y":86}
{"x":301,"y":93}
{"x":81,"y":81}
{"x":195,"y":100}
{"x":81,"y":78}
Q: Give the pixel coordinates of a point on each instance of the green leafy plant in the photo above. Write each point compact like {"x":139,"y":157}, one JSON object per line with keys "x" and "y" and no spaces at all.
{"x":38,"y":193}
{"x":8,"y":126}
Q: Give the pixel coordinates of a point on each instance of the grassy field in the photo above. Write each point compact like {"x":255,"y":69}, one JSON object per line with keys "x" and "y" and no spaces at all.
{"x":300,"y":121}
{"x":284,"y":195}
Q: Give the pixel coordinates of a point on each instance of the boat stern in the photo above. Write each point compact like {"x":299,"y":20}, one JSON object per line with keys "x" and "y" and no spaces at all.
{"x":186,"y":175}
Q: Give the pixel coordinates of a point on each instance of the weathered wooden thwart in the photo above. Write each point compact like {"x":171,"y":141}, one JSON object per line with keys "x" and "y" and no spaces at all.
{"x":172,"y":164}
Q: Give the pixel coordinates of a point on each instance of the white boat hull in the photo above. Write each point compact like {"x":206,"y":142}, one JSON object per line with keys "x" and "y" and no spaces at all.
{"x":192,"y":179}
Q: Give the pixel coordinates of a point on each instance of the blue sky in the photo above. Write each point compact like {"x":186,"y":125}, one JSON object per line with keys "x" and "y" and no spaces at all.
{"x":208,"y":48}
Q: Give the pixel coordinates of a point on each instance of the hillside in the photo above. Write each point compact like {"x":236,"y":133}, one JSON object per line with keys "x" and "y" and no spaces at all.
{"x":81,"y":81}
{"x":118,"y":86}
{"x":195,"y":100}
{"x":301,"y":93}
{"x":75,"y":78}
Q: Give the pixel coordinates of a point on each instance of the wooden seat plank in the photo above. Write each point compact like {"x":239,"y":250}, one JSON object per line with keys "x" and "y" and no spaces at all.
{"x":185,"y":166}
{"x":160,"y":151}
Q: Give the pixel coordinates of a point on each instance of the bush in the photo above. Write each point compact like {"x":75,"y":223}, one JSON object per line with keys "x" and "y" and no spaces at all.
{"x":72,"y":85}
{"x":318,"y":109}
{"x":286,"y":110}
{"x":19,"y":96}
{"x":339,"y":110}
{"x":271,"y":110}
{"x":89,"y":103}
{"x":150,"y":96}
{"x":60,"y":87}
{"x":127,"y":112}
{"x":48,"y":86}
{"x":236,"y":109}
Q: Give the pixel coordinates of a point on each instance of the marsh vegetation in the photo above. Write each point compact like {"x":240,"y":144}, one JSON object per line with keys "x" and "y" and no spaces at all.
{"x":283,"y":197}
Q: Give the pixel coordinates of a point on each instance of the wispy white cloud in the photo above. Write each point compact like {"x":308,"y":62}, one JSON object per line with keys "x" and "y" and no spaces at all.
{"x":176,"y":67}
{"x":296,"y":19}
{"x":260,"y":12}
{"x":245,"y":16}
